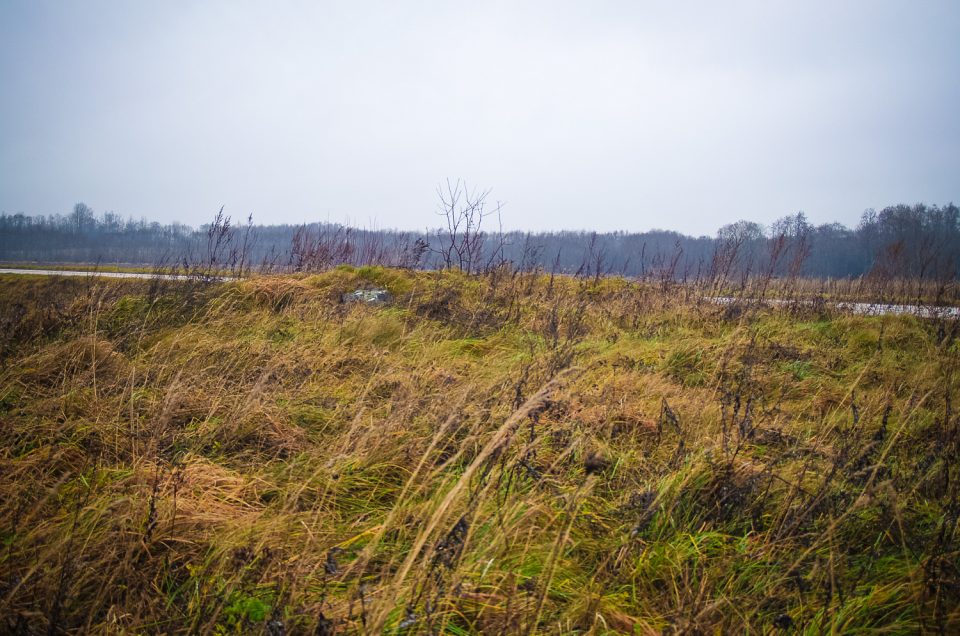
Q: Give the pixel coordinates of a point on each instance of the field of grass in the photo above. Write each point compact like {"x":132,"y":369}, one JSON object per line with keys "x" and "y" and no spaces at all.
{"x":498,"y":454}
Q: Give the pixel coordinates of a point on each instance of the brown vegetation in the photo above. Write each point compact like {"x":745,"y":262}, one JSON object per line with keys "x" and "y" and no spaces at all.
{"x":506,"y":453}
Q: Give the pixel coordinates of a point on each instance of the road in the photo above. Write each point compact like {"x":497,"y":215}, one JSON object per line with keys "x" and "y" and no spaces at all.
{"x":57,"y":272}
{"x":859,"y":309}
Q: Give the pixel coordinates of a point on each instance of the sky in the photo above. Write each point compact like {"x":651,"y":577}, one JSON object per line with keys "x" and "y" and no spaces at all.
{"x":601,"y":115}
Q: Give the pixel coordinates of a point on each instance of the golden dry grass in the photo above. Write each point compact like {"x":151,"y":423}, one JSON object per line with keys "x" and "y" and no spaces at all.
{"x":497,"y":454}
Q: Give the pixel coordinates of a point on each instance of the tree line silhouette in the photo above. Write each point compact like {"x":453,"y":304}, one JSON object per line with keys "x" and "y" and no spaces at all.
{"x":906,"y":241}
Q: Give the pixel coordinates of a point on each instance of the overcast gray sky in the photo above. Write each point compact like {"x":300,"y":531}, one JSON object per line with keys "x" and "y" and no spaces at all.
{"x":596,"y":115}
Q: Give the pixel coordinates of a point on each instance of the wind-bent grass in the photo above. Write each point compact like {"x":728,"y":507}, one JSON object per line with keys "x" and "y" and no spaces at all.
{"x":511,"y":453}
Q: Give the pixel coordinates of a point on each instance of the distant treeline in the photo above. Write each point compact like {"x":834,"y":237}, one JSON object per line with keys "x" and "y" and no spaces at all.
{"x":916,"y":241}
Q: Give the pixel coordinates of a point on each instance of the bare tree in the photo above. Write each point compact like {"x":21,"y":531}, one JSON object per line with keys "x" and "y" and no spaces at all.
{"x":82,"y":216}
{"x":463,"y":210}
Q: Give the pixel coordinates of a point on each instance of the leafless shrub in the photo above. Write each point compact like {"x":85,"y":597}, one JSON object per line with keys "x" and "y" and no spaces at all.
{"x":461,"y":241}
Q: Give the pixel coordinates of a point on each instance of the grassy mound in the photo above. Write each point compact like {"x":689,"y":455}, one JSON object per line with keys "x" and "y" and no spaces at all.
{"x":505,"y":454}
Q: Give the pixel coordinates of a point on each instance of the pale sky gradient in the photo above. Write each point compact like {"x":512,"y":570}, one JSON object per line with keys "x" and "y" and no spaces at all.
{"x":595,"y":115}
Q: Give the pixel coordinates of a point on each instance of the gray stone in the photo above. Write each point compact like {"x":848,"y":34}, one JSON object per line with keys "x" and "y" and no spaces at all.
{"x":368,"y":296}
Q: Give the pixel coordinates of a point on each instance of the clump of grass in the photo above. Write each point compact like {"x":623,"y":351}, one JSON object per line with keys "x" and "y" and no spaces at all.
{"x":500,"y":454}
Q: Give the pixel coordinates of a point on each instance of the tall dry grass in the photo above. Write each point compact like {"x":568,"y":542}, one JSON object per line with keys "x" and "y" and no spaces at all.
{"x":507,"y":453}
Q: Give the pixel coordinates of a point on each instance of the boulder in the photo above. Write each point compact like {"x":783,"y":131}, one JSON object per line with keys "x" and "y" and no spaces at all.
{"x":368,"y":296}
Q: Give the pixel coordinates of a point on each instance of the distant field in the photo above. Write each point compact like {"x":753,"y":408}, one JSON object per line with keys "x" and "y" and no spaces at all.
{"x":507,"y":453}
